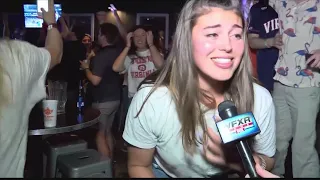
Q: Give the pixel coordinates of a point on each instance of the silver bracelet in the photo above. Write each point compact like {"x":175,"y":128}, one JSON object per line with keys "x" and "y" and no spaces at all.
{"x":263,"y":163}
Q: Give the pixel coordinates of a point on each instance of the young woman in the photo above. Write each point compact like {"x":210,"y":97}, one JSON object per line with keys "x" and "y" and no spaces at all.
{"x":172,"y":120}
{"x":139,"y":58}
{"x":87,"y":42}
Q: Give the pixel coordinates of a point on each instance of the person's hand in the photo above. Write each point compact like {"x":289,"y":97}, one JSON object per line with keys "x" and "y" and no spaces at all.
{"x":150,"y":38}
{"x":129,"y":39}
{"x":216,"y":153}
{"x":112,"y":8}
{"x":223,"y":155}
{"x":84,"y":64}
{"x":263,"y":173}
{"x":314,"y":60}
{"x":277,"y":41}
{"x":161,"y":34}
{"x":49,"y":16}
{"x":91,"y":55}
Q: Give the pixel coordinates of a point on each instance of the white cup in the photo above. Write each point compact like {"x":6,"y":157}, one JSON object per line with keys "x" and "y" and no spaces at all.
{"x":49,"y":108}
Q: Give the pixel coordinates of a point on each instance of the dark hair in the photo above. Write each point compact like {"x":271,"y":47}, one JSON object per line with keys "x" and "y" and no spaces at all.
{"x":87,"y":35}
{"x":111,"y":32}
{"x":79,"y":31}
{"x":145,"y":28}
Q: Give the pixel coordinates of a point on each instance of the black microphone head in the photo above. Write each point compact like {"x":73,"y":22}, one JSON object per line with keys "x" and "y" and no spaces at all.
{"x":227,"y":109}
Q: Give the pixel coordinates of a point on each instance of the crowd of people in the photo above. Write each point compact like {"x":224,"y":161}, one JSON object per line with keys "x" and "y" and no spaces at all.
{"x":171,"y":99}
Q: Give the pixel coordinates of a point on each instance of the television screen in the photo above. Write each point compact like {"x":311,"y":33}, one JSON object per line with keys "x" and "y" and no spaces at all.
{"x":31,"y":19}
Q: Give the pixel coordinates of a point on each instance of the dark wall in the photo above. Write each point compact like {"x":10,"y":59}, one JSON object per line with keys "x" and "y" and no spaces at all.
{"x":130,"y":7}
{"x":91,"y":6}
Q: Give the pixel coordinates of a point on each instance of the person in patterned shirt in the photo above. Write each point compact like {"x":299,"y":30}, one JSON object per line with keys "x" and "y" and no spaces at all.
{"x":296,"y":90}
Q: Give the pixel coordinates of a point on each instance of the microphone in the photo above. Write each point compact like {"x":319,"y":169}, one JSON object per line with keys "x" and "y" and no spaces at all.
{"x":235,"y":128}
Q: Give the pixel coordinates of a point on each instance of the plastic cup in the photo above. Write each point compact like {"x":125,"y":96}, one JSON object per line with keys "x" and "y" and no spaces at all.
{"x":49,"y":108}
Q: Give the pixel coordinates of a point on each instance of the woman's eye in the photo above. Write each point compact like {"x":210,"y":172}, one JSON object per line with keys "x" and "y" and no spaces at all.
{"x":212,"y":35}
{"x":238,"y":36}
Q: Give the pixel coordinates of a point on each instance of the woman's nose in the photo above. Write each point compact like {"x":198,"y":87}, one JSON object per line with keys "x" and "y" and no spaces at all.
{"x":224,"y":44}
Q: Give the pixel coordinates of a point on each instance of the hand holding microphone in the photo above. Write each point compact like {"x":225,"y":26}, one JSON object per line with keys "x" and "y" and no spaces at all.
{"x":263,"y":173}
{"x":219,"y":154}
{"x":233,"y":130}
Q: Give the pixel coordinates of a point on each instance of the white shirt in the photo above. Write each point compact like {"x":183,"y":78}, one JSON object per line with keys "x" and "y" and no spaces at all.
{"x":25,"y":67}
{"x":158,"y":126}
{"x":138,"y":67}
{"x":300,"y":25}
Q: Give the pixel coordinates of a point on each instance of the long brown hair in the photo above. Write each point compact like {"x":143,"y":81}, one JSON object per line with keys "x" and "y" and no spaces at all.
{"x":146,"y":28}
{"x":180,"y":74}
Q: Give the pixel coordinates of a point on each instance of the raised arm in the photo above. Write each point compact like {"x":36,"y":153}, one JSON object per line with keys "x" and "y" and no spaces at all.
{"x":53,"y":40}
{"x":119,"y":63}
{"x":157,"y":58}
{"x":122,"y":29}
{"x":64,"y":27}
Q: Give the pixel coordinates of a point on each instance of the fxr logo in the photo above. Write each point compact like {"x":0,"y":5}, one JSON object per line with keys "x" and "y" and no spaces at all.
{"x":239,"y":122}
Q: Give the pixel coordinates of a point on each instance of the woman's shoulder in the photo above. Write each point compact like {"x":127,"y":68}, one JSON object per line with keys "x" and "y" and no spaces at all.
{"x":155,"y":103}
{"x":153,"y":93}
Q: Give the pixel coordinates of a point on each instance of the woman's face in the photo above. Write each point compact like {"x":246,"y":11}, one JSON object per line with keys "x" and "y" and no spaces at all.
{"x":218,"y":45}
{"x":140,"y":38}
{"x":86,"y":40}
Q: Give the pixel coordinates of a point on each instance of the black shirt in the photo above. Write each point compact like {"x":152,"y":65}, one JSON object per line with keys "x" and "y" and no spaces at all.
{"x":109,"y":88}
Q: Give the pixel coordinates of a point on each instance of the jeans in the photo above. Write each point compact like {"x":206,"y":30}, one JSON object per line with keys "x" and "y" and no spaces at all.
{"x":296,"y":115}
{"x":157,"y":171}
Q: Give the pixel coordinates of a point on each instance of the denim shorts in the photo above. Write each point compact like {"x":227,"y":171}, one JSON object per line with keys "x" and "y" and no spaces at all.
{"x":157,"y":171}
